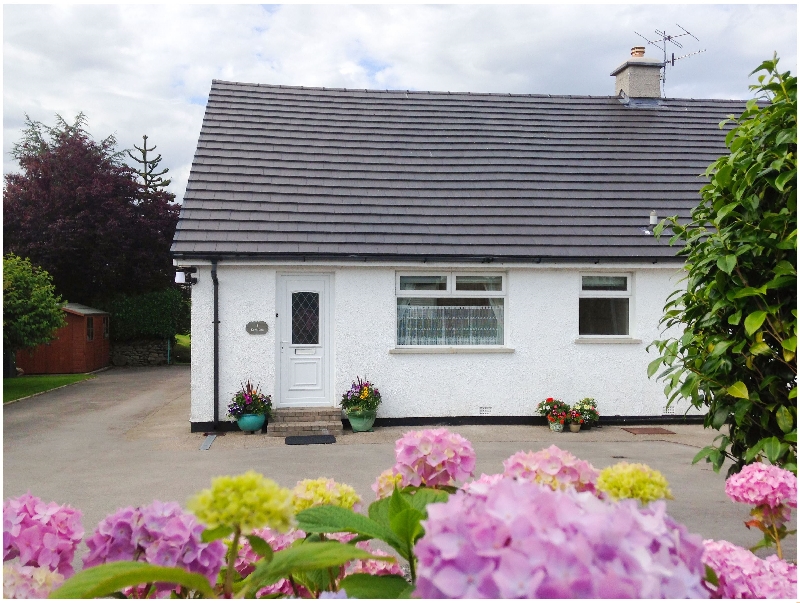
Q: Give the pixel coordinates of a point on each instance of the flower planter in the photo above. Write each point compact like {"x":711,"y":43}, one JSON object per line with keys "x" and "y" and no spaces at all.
{"x":557,"y":427}
{"x":361,"y":420}
{"x":251,"y":422}
{"x":574,"y":427}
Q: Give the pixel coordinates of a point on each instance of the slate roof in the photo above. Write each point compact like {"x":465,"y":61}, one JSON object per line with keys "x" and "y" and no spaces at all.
{"x":290,"y":172}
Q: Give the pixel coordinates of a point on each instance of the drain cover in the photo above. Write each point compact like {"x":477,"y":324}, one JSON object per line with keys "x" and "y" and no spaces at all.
{"x":648,"y":430}
{"x":311,"y":439}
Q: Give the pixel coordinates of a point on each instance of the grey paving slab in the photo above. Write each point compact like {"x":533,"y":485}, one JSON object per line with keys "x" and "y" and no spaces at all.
{"x":123,"y":439}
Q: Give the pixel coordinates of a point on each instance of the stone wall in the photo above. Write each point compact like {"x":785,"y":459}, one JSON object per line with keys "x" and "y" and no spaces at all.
{"x":142,"y":352}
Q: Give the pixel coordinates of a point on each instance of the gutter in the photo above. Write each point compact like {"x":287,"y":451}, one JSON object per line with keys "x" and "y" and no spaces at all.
{"x":216,"y":341}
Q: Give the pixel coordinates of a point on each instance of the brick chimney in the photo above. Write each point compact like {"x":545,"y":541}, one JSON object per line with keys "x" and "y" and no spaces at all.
{"x":639,"y":76}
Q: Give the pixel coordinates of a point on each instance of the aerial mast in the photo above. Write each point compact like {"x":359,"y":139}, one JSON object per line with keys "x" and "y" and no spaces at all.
{"x":661,"y":44}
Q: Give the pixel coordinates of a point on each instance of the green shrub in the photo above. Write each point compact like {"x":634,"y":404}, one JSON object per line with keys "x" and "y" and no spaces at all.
{"x":156,"y":315}
{"x":736,"y":321}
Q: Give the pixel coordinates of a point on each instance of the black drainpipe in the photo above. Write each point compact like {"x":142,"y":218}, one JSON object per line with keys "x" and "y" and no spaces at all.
{"x":216,"y":341}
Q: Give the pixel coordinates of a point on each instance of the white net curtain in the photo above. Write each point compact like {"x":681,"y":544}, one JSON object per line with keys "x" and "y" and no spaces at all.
{"x":447,"y":321}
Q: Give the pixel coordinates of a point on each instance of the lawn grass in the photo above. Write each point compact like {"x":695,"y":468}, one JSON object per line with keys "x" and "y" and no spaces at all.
{"x":19,"y":387}
{"x":182,"y":352}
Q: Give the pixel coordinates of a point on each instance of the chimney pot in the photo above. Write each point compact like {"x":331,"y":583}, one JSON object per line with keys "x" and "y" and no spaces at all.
{"x":637,"y":51}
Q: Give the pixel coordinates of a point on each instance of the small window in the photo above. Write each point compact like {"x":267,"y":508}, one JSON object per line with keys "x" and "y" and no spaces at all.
{"x":105,"y":327}
{"x":423,"y":283}
{"x":450,"y":309}
{"x":604,"y":305}
{"x":89,"y":328}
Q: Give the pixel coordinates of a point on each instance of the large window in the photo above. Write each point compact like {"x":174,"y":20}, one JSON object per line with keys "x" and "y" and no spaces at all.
{"x":604,"y":305}
{"x":450,"y":309}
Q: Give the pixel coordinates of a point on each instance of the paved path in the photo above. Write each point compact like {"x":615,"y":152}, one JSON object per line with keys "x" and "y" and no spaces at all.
{"x":123,"y":439}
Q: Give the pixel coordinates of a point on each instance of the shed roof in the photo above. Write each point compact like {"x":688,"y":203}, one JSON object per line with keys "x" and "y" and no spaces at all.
{"x":82,"y":310}
{"x":285,"y":172}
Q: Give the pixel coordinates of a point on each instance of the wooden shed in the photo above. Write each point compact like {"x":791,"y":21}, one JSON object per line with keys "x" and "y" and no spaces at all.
{"x":81,"y":346}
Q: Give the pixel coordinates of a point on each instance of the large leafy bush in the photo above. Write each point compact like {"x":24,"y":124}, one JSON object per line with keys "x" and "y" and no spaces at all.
{"x":737,"y":317}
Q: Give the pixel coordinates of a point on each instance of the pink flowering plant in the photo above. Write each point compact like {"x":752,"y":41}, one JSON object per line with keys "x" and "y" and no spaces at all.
{"x":41,"y":534}
{"x":542,"y":528}
{"x":772,"y":492}
{"x":250,"y":401}
{"x":552,"y":467}
{"x":736,"y":573}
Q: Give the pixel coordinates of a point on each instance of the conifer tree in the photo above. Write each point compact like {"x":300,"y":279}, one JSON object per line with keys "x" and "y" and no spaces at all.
{"x":151,"y":180}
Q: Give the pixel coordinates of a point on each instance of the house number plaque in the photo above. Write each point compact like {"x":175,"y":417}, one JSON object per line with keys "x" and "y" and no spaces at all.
{"x":257,"y":327}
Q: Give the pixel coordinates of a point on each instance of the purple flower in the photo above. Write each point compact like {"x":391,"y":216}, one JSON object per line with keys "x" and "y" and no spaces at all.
{"x":160,"y":534}
{"x":521,"y":539}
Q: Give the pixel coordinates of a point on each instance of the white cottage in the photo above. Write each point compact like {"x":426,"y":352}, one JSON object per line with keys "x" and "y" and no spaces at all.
{"x":470,"y":254}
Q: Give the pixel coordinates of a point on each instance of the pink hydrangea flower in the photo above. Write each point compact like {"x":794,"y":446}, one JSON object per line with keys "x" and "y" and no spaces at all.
{"x":27,"y":582}
{"x":247,"y":558}
{"x":758,"y":484}
{"x":41,"y":534}
{"x":386,"y":482}
{"x":376,"y":567}
{"x":483,"y":484}
{"x":552,"y":467}
{"x":433,"y":457}
{"x":525,"y":540}
{"x":742,"y":575}
{"x":160,"y":534}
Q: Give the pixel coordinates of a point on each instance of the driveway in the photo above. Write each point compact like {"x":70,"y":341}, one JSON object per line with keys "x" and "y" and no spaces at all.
{"x":123,"y":439}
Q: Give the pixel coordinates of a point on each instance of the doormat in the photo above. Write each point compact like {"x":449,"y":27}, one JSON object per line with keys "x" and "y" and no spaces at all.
{"x":310,"y":439}
{"x":648,"y":430}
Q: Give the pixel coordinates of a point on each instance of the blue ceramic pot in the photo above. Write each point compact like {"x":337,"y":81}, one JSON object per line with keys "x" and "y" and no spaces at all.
{"x":251,"y":422}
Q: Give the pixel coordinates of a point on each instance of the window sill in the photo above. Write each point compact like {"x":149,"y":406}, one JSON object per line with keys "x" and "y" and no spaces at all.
{"x":607,"y":340}
{"x":445,"y":349}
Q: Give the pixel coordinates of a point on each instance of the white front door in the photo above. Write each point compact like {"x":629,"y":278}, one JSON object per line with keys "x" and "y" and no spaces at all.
{"x":304,"y":329}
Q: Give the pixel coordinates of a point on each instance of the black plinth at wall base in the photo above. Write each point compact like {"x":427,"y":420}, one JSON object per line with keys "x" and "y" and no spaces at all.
{"x":310,"y":439}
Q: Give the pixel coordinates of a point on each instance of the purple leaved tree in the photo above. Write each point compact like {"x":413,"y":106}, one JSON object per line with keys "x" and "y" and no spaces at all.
{"x":79,"y":212}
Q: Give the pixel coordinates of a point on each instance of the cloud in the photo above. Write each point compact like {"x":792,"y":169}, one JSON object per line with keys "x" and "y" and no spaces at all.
{"x":137,"y":70}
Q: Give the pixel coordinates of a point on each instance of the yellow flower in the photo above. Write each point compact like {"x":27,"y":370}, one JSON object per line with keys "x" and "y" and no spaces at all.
{"x":323,"y":491}
{"x":633,"y":480}
{"x":249,"y":500}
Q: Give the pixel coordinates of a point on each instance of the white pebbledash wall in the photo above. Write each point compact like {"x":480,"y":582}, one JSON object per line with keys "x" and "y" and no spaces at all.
{"x":541,"y":328}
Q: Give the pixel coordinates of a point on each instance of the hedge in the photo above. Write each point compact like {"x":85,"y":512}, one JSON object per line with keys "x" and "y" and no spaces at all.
{"x":156,"y":315}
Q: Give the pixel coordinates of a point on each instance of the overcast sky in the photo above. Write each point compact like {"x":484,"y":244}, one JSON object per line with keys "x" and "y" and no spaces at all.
{"x":137,"y":70}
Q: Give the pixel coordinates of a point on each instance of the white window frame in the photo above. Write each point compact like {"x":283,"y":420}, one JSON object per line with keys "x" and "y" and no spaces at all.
{"x":451,"y":291}
{"x":601,"y":294}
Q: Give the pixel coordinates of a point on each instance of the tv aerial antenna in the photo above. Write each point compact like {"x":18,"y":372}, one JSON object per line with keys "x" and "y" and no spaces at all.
{"x":661,"y":44}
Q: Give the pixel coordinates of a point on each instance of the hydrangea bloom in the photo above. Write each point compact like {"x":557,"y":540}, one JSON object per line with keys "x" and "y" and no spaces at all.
{"x":160,"y":534}
{"x":387,"y":482}
{"x":522,"y":539}
{"x":433,"y":457}
{"x":758,"y":485}
{"x":249,"y":500}
{"x":483,"y":484}
{"x":323,"y":491}
{"x":41,"y":534}
{"x":376,"y":567}
{"x":26,"y":582}
{"x":742,"y":575}
{"x":633,"y":480}
{"x":247,"y":558}
{"x":552,"y":467}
